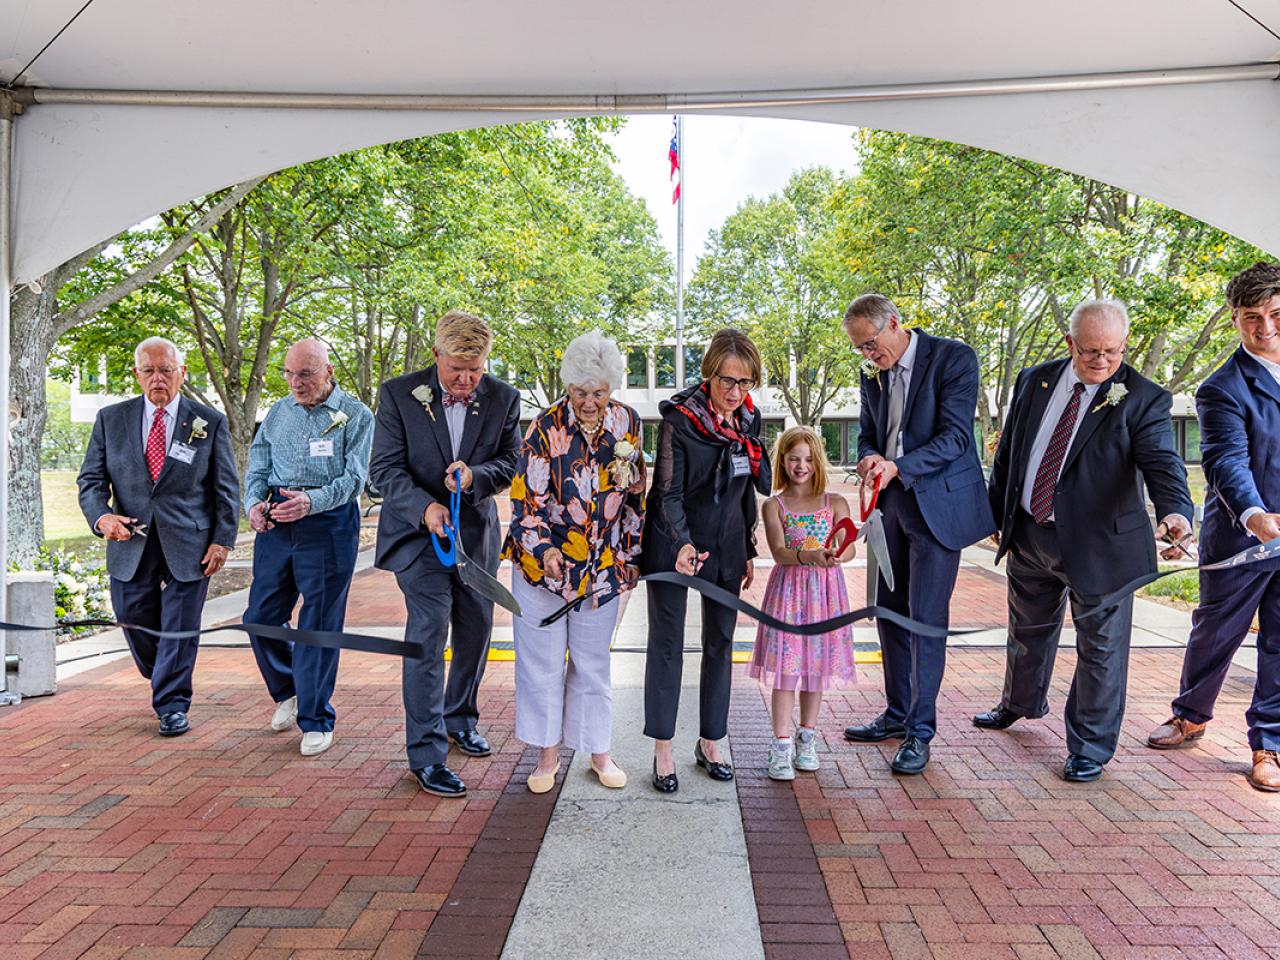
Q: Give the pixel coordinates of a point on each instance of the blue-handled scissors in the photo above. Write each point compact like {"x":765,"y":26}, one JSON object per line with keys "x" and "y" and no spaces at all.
{"x":448,"y":554}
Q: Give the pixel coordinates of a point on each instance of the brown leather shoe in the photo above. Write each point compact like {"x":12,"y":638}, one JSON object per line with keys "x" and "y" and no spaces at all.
{"x":1174,"y":732}
{"x":1266,"y":771}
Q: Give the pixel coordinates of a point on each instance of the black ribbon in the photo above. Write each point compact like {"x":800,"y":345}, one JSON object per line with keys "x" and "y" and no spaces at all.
{"x":332,"y":639}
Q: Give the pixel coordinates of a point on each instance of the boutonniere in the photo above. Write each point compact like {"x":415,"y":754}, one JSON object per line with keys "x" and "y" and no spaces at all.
{"x":1115,"y":393}
{"x":337,"y":419}
{"x":623,"y":465}
{"x":422,"y":393}
{"x":871,"y":370}
{"x":197,"y":429}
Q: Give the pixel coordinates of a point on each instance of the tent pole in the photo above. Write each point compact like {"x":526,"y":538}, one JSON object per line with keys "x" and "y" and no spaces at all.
{"x":7,"y":113}
{"x":655,"y":103}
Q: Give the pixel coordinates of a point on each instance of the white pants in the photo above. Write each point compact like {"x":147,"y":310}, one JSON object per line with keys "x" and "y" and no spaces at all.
{"x":559,"y":702}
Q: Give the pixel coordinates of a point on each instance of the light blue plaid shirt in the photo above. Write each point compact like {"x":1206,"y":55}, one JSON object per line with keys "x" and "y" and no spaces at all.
{"x":281,"y":454}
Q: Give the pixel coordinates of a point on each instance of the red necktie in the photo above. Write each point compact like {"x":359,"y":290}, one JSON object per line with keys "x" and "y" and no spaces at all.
{"x":156,"y":445}
{"x":1046,"y":484}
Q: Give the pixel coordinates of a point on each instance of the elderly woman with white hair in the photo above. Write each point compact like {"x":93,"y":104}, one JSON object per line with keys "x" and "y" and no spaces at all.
{"x":577,"y":510}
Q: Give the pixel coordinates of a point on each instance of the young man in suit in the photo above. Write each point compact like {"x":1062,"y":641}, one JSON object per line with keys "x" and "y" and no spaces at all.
{"x":1239,"y":407}
{"x":1081,"y":436}
{"x":159,"y":483}
{"x":450,"y":418}
{"x":916,"y":440}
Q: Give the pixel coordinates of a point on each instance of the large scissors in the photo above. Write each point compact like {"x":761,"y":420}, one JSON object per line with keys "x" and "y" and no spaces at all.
{"x":450,"y":554}
{"x":879,"y":563}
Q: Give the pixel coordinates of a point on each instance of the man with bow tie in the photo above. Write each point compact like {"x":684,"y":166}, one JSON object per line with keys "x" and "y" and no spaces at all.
{"x":1081,"y":437}
{"x":450,"y":420}
{"x":159,"y":483}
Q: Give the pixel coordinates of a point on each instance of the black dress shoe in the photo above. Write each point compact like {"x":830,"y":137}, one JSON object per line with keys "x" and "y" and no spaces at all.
{"x":471,"y":743}
{"x":667,"y":784}
{"x":877,"y":729}
{"x":716,"y":771}
{"x":174,"y":725}
{"x":998,"y":719}
{"x":440,"y":780}
{"x":912,"y":757}
{"x":1080,"y":769}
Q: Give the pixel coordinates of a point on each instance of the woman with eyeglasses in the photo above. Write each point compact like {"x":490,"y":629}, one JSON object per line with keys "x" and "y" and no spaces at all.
{"x":700,"y":521}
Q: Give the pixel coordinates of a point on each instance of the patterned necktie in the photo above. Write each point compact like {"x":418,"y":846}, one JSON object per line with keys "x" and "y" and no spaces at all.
{"x":450,"y":399}
{"x":1046,"y":484}
{"x":155,"y":445}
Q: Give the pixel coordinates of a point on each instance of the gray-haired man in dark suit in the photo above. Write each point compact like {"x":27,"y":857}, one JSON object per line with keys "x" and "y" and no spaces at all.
{"x":159,"y":483}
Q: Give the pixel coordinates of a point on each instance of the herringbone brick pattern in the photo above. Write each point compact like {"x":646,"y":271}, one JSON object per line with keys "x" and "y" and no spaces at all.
{"x":991,"y":855}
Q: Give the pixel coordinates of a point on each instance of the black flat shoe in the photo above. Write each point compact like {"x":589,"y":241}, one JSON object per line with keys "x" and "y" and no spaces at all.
{"x":1000,"y":718}
{"x":440,"y":780}
{"x":1080,"y":769}
{"x":174,"y":725}
{"x":716,"y":771}
{"x":471,"y":743}
{"x":877,"y":729}
{"x":667,"y":784}
{"x":912,"y":757}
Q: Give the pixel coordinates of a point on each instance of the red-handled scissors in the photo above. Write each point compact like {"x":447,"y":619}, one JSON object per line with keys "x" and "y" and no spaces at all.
{"x":879,"y":564}
{"x":846,"y":526}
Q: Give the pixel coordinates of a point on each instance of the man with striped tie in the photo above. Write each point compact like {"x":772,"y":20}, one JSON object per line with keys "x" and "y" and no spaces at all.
{"x":1082,"y":436}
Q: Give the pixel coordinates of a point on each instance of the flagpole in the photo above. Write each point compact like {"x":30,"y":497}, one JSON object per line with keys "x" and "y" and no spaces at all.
{"x":680,"y":258}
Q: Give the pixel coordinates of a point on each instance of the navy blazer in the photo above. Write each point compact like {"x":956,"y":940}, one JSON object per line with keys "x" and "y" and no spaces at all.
{"x":1239,"y":408}
{"x":1099,"y":509}
{"x":190,"y":506}
{"x":411,"y":449}
{"x":941,"y":464}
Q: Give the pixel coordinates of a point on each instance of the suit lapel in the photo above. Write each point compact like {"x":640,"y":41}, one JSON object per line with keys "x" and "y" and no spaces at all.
{"x":1098,"y":411}
{"x":473,"y":421}
{"x":1040,"y":391}
{"x":133,"y":411}
{"x":439,"y":426}
{"x":1260,"y":378}
{"x":924,"y":357}
{"x":181,"y":429}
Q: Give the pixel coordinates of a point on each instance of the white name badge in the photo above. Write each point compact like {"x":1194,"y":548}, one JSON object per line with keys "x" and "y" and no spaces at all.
{"x":741,"y":466}
{"x":322,"y":448}
{"x":183,"y":452}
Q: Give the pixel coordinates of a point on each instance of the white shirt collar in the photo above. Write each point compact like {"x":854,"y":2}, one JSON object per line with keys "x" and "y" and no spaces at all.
{"x":908,"y":358}
{"x":1270,"y":366}
{"x":1073,"y":378}
{"x":171,"y":408}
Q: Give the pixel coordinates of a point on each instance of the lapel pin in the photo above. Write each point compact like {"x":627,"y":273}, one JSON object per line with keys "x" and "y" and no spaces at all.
{"x":1044,"y":384}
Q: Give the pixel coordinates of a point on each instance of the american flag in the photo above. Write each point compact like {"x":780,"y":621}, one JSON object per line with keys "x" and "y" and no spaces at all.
{"x":673,"y":154}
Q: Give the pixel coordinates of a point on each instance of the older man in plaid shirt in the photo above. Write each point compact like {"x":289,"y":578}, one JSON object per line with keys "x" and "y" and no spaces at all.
{"x":307,"y":466}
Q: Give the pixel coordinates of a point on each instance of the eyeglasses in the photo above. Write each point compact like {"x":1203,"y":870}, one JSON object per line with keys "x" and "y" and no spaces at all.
{"x":152,"y":371}
{"x":578,"y":395}
{"x":869,"y":346}
{"x":300,"y":374}
{"x":1092,"y":355}
{"x":746,"y":384}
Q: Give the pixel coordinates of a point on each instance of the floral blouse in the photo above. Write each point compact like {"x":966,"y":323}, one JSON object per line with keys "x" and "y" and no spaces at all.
{"x":566,"y":494}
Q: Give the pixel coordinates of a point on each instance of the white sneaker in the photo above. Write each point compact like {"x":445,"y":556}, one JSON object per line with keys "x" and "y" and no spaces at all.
{"x":314,"y":742}
{"x":806,"y":749}
{"x":780,"y":767}
{"x":286,"y":714}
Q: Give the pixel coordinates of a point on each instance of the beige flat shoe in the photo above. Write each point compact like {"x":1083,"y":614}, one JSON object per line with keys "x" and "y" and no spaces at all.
{"x":542,"y":782}
{"x":614,"y":779}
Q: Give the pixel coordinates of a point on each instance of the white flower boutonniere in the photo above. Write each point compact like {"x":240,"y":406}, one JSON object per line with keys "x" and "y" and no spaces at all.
{"x":197,"y":429}
{"x":1115,"y":393}
{"x":337,"y":419}
{"x":871,"y":370}
{"x":623,"y":466}
{"x":422,"y":393}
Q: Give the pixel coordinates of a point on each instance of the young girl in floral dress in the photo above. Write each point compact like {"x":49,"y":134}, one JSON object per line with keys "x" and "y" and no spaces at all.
{"x":805,"y":586}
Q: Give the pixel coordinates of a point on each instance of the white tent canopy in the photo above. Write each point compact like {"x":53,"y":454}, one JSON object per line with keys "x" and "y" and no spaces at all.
{"x":85,"y":170}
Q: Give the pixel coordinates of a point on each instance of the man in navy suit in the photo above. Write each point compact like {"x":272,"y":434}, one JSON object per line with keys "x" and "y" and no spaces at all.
{"x":1081,"y":436}
{"x":451,"y":418}
{"x":1239,"y":407}
{"x":916,"y":439}
{"x":159,"y":483}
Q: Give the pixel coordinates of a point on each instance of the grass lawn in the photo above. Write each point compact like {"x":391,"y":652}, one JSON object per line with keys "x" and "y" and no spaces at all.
{"x":62,"y":517}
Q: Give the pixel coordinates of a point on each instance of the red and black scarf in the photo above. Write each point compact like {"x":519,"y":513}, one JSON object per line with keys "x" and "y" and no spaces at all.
{"x":728,"y":431}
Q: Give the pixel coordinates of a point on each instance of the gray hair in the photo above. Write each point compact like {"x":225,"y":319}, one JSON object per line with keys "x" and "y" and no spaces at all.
{"x":593,"y":357}
{"x":151,"y":342}
{"x":875,"y":307}
{"x":1114,"y":309}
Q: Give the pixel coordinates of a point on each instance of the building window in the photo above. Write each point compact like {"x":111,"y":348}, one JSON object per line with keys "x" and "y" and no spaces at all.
{"x":693,"y":365}
{"x":1191,"y":446}
{"x":665,"y":367}
{"x":832,"y":437}
{"x":650,"y":441}
{"x":851,"y":435}
{"x":90,"y":377}
{"x":769,"y":434}
{"x":638,"y":369}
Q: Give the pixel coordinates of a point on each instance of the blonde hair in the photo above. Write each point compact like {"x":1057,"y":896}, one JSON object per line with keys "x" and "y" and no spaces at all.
{"x":730,"y":343}
{"x":463,"y":336}
{"x":790,"y":439}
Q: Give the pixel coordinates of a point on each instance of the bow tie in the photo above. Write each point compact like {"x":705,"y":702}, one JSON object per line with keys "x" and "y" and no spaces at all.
{"x":450,"y":399}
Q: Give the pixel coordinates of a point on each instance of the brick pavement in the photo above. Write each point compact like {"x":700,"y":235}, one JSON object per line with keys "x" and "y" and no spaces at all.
{"x":991,"y":855}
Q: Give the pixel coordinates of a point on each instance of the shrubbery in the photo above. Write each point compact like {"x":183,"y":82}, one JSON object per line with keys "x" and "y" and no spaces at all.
{"x":81,"y":589}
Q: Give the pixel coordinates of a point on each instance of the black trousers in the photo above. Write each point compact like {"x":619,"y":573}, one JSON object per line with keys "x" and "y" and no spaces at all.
{"x":1038,"y":597}
{"x":664,"y":661}
{"x":152,"y":598}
